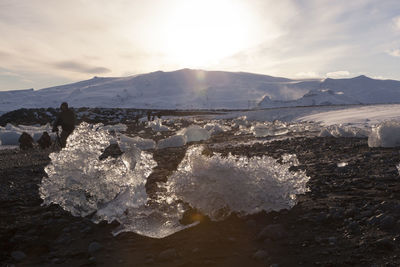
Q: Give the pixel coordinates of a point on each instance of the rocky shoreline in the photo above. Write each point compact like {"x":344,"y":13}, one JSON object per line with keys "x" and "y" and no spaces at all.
{"x":350,"y":216}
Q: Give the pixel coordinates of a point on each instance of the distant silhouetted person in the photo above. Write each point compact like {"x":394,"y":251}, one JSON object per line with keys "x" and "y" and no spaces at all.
{"x":66,"y":119}
{"x":136,"y":119}
{"x":44,"y":141}
{"x":149,"y":115}
{"x":25,"y":141}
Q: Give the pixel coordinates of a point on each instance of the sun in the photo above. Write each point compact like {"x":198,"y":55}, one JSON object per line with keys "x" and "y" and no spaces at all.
{"x":200,"y":33}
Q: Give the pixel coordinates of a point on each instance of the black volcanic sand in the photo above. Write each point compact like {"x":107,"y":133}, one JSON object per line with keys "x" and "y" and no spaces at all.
{"x":350,"y":217}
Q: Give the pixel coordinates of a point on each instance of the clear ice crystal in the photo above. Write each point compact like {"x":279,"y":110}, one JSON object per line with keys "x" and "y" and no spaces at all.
{"x":81,"y":183}
{"x":113,"y":188}
{"x":219,"y":185}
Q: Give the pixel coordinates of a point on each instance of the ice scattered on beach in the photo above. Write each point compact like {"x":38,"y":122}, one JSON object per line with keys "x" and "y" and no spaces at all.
{"x":215,"y":128}
{"x":385,"y":134}
{"x":290,"y":158}
{"x":275,"y":128}
{"x":342,"y":164}
{"x":116,"y":127}
{"x":113,"y":188}
{"x":339,"y":130}
{"x":269,"y":129}
{"x":144,"y":144}
{"x":194,"y":133}
{"x":157,"y":126}
{"x":172,"y":141}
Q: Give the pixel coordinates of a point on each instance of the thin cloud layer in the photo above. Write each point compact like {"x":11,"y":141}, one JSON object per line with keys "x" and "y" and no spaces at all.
{"x":80,"y":67}
{"x":42,"y":40}
{"x":338,"y":74}
{"x":394,"y":52}
{"x":396,"y":22}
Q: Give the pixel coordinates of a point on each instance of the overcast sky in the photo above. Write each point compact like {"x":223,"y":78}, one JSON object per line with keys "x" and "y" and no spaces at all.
{"x":46,"y":43}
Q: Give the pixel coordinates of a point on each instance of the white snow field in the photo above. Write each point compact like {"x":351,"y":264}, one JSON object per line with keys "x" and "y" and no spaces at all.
{"x":199,"y":89}
{"x":361,"y":115}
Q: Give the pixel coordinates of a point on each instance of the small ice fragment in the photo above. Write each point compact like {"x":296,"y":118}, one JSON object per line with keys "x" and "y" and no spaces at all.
{"x":342,"y":164}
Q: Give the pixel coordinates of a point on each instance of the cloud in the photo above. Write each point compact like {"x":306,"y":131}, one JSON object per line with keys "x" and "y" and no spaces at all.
{"x":338,"y":74}
{"x":396,"y":23}
{"x":394,"y":52}
{"x":63,"y":41}
{"x":80,"y":67}
{"x":5,"y":55}
{"x":308,"y":74}
{"x":10,"y":74}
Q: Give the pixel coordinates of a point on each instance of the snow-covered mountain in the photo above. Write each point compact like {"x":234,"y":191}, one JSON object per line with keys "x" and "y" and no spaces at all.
{"x":358,"y":90}
{"x":198,"y":89}
{"x":182,"y":89}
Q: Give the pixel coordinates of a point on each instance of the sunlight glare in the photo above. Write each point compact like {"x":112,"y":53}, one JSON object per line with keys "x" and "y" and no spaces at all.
{"x":202,"y":32}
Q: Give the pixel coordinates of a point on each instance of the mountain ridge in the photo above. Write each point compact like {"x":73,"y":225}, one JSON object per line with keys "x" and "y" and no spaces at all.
{"x":200,"y":89}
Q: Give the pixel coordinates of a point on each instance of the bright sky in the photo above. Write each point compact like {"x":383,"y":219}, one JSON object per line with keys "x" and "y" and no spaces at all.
{"x":45,"y":42}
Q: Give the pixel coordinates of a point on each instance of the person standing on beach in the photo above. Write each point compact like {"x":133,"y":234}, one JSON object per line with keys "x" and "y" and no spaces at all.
{"x":44,"y":141}
{"x":66,"y":119}
{"x":25,"y":141}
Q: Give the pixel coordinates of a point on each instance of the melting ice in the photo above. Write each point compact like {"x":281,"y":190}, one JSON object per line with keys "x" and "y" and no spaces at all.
{"x":114,"y":188}
{"x":219,"y":185}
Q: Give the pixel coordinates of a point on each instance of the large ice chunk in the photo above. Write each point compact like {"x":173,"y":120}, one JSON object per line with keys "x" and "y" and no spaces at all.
{"x":111,"y":189}
{"x":270,"y":129}
{"x":82,"y":183}
{"x":194,"y":133}
{"x":240,"y":121}
{"x":386,"y":134}
{"x":143,"y":144}
{"x":116,"y":127}
{"x":219,"y":185}
{"x":157,"y":126}
{"x":215,"y":128}
{"x":172,"y":141}
{"x":339,"y":130}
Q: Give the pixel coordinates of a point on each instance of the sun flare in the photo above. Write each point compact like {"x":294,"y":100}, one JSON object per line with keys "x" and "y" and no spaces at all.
{"x":203,"y":32}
